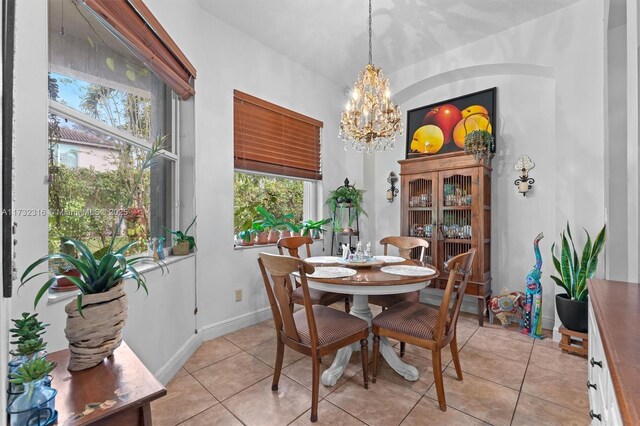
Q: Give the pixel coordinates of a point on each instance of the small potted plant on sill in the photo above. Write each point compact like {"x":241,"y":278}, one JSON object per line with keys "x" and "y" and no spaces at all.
{"x":275,"y":224}
{"x":246,"y":237}
{"x":37,"y":398}
{"x":313,"y":228}
{"x":574,"y":271}
{"x":262,"y":234}
{"x":96,"y":318}
{"x":183,"y":243}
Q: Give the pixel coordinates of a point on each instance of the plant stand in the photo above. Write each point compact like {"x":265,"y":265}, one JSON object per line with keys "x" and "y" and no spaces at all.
{"x":574,"y":342}
{"x":344,"y":237}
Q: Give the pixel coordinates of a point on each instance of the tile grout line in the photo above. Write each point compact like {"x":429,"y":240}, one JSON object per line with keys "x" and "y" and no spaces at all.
{"x":542,"y":399}
{"x":513,"y":415}
{"x":459,"y":410}
{"x":200,"y":412}
{"x":220,"y":360}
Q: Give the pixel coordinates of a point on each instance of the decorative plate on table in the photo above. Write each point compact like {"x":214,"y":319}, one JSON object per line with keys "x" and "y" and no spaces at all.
{"x":361,"y":263}
{"x":390,"y":259}
{"x":330,"y":272}
{"x":408,"y":270}
{"x":322,"y":259}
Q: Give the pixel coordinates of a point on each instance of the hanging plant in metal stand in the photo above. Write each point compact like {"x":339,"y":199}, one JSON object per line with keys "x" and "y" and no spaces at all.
{"x":480,"y":143}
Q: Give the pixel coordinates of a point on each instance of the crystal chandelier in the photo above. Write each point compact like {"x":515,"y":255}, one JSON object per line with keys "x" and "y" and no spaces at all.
{"x":370,"y":120}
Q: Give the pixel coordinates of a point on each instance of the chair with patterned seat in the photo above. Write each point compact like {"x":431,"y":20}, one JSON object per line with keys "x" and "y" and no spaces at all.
{"x":315,"y":330}
{"x":427,"y":327}
{"x":405,"y":246}
{"x":318,"y":297}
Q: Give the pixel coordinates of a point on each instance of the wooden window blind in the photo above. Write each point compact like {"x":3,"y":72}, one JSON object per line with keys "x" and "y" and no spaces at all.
{"x":272,"y":139}
{"x":133,"y":23}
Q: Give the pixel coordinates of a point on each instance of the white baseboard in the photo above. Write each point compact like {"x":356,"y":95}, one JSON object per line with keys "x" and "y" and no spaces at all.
{"x":175,"y":363}
{"x":221,"y":328}
{"x":208,"y":332}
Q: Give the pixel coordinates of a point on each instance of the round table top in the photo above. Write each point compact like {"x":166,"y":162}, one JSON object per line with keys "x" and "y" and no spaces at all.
{"x":374,"y":281}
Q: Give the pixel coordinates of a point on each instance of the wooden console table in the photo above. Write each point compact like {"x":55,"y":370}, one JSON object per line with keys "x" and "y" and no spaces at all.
{"x":117,"y":392}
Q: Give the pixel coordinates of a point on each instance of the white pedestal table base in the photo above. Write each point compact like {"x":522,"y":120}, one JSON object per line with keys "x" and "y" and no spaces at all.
{"x":361,"y":309}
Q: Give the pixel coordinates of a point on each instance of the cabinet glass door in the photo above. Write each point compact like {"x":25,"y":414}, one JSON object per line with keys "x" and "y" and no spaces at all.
{"x":456,"y":229}
{"x":421,"y":218}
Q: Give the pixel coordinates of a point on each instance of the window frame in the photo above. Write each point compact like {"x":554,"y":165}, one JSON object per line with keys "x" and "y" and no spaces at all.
{"x":66,"y":112}
{"x":312,"y":195}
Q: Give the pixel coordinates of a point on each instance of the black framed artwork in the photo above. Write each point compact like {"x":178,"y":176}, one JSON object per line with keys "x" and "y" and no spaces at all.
{"x":441,"y":128}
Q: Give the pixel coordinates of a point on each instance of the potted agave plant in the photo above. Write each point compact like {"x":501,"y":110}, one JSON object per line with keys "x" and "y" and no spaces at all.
{"x":96,"y":318}
{"x":183,"y":243}
{"x":313,"y":228}
{"x":574,"y":270}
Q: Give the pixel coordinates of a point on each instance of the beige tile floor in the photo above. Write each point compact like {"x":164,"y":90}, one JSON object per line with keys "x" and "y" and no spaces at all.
{"x":508,"y":379}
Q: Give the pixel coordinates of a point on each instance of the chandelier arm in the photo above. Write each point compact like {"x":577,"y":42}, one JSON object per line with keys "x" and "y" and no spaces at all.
{"x":370,"y":44}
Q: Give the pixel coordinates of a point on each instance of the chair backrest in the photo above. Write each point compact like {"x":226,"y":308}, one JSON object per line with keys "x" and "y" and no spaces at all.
{"x":405,"y":245}
{"x":279,"y":291}
{"x":292,"y":244}
{"x":459,"y":268}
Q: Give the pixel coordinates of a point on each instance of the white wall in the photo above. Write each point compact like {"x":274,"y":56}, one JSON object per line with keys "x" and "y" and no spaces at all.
{"x":633,"y":138}
{"x":616,"y":155}
{"x":549,"y":74}
{"x":227,"y":59}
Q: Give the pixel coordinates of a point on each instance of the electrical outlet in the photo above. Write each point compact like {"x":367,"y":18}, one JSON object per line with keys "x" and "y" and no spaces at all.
{"x":238,"y":295}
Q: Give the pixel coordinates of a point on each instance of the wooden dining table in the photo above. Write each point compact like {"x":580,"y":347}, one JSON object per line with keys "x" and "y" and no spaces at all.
{"x":366,"y":282}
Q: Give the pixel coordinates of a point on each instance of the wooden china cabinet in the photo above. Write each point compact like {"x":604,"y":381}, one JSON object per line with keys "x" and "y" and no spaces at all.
{"x":447,"y":200}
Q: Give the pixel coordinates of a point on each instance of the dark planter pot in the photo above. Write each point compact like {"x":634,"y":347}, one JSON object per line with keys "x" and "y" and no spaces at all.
{"x":573,"y":313}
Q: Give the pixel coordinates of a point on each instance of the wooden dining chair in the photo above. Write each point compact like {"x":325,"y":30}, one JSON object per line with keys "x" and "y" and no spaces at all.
{"x":318,"y":297}
{"x":427,"y":327}
{"x":405,"y":246}
{"x":315,"y":330}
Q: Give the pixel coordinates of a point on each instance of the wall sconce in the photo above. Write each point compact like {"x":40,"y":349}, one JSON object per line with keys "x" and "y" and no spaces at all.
{"x":524,"y":182}
{"x":392,"y":192}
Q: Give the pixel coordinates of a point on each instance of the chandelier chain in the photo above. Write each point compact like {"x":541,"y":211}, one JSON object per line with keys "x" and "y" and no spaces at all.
{"x":370,"y":33}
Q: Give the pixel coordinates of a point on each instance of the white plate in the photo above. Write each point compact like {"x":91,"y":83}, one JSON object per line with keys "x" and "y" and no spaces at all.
{"x":390,"y":259}
{"x":322,"y":259}
{"x":408,"y":270}
{"x":330,"y":272}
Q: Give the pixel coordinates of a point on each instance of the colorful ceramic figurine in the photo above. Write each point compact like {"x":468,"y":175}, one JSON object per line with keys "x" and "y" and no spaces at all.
{"x":532,"y":318}
{"x":506,"y":306}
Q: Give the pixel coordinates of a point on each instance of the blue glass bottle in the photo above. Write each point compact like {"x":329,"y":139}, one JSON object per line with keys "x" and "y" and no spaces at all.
{"x":34,"y":406}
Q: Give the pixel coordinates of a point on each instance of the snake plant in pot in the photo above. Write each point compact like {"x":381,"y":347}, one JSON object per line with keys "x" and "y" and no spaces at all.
{"x":573,"y":271}
{"x":96,"y":318}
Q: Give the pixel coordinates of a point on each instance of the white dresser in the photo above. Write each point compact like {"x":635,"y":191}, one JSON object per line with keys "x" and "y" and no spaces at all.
{"x":602,"y":396}
{"x":614,"y":353}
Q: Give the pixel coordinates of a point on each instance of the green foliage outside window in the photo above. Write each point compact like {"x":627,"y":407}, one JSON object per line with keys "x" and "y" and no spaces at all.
{"x":279,"y":196}
{"x":84,"y":202}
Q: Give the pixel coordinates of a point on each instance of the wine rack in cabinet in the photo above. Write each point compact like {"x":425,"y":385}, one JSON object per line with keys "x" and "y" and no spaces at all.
{"x":447,"y":201}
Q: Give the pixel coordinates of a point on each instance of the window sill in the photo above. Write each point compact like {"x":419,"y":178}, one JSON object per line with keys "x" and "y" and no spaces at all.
{"x":239,"y":247}
{"x":58,"y":296}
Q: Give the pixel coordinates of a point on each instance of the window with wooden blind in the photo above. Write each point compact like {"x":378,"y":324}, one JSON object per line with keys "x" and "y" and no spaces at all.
{"x":271,"y":139}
